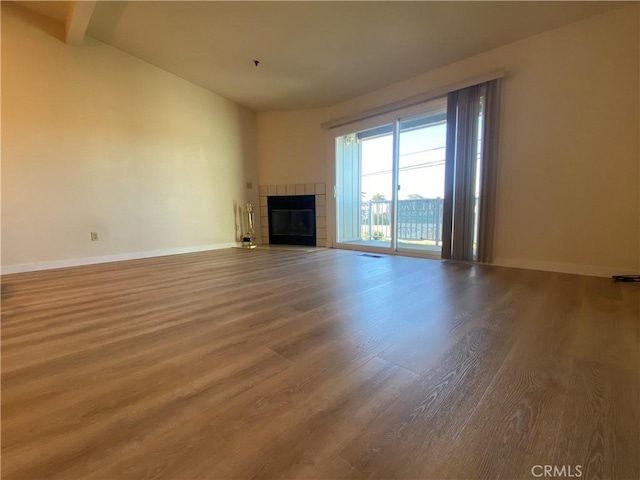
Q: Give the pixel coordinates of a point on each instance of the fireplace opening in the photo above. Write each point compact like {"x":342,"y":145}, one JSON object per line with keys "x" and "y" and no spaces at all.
{"x":292,"y":220}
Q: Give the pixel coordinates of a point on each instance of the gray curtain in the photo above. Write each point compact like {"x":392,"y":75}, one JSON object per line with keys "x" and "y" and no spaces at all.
{"x":463,"y":117}
{"x":489,"y":171}
{"x":447,"y":207}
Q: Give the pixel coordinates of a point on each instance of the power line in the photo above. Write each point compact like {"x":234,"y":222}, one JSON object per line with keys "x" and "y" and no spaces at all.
{"x":434,"y":163}
{"x":423,"y":151}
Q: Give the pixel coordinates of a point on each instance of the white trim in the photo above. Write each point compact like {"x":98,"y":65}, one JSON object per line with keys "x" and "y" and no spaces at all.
{"x":422,"y":109}
{"x":414,"y":100}
{"x":571,"y":268}
{"x":415,"y":252}
{"x":363,"y":248}
{"x":568,"y":268}
{"x":75,"y":262}
{"x":395,"y":174}
{"x":387,"y":251}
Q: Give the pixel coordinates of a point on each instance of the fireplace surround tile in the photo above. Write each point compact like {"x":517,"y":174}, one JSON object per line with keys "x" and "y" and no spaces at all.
{"x":317,"y":189}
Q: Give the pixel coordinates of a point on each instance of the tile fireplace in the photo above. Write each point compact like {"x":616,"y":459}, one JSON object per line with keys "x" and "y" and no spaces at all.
{"x":269,"y":230}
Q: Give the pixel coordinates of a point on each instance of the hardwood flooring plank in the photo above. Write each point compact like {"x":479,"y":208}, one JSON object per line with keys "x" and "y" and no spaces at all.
{"x":272,"y":364}
{"x":281,"y":424}
{"x":448,"y":321}
{"x":611,"y":330}
{"x":517,"y":429}
{"x":431,"y":410}
{"x":601,"y":422}
{"x":98,"y":424}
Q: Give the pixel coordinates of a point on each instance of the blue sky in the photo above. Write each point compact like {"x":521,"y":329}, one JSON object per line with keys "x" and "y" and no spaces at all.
{"x":421,"y":163}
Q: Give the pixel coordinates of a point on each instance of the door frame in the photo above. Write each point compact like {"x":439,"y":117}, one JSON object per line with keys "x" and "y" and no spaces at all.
{"x":394,"y":118}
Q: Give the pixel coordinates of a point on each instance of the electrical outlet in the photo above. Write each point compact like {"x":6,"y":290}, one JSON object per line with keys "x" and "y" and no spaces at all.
{"x":94,"y":236}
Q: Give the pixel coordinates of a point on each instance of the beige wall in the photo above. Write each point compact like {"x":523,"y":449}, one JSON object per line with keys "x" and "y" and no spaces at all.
{"x":293,"y":148}
{"x":96,"y":140}
{"x":568,"y":196}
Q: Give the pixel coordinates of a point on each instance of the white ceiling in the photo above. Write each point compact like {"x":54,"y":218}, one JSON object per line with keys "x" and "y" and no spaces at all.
{"x":316,"y":54}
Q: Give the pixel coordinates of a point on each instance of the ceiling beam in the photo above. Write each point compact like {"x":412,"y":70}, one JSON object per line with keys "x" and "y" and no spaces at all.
{"x":78,"y":21}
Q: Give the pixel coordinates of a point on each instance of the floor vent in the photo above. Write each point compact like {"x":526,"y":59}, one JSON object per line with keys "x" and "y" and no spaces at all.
{"x":371,"y":255}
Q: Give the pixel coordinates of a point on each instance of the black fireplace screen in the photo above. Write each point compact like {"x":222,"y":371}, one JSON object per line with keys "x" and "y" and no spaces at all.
{"x":292,"y":220}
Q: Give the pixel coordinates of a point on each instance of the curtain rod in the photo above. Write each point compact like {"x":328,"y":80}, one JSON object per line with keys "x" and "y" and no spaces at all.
{"x":414,"y":100}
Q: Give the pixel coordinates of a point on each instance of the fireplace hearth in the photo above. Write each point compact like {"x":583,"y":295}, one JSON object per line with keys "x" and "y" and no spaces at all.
{"x":292,"y":220}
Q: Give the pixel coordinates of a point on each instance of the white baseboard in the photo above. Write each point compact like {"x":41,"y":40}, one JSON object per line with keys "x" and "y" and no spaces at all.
{"x":75,"y":262}
{"x":590,"y":270}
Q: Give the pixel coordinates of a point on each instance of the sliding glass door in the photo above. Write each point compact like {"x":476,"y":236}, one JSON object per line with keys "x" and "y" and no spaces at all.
{"x":421,"y":162}
{"x":390,"y":182}
{"x":364,"y":187}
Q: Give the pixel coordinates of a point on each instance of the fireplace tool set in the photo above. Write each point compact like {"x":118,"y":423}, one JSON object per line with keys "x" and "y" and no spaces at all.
{"x":248,"y":239}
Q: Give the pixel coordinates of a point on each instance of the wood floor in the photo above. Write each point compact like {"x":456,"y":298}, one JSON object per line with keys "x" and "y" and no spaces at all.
{"x":237,"y":364}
